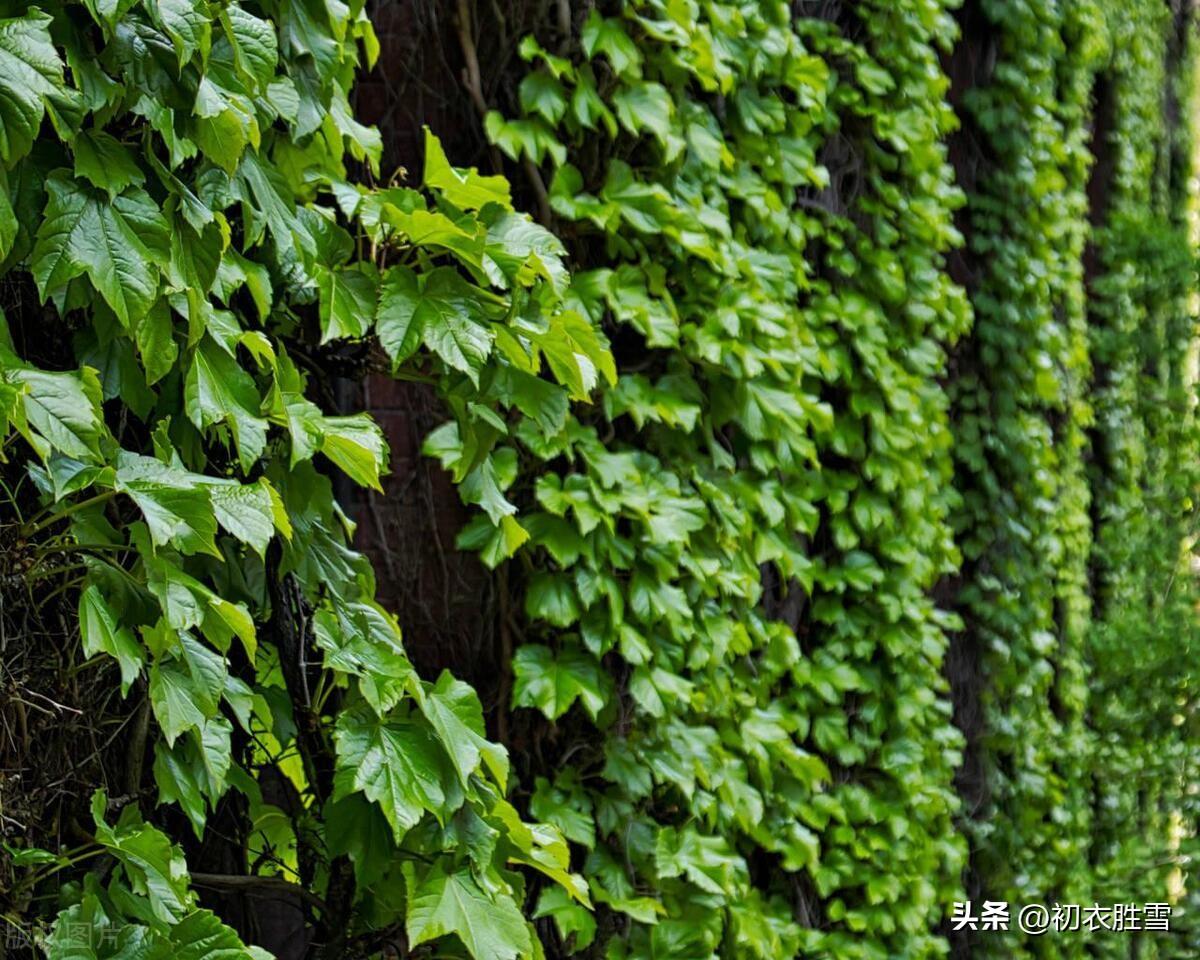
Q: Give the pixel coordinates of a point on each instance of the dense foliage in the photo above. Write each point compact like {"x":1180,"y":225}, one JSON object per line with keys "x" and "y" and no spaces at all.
{"x":821,"y":445}
{"x":1022,"y":412}
{"x":177,"y":196}
{"x":1143,"y":706}
{"x":749,"y":557}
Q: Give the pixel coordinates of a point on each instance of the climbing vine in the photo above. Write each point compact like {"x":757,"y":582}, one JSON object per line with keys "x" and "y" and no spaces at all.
{"x":1075,"y":448}
{"x":732,"y":563}
{"x":184,"y":252}
{"x":1021,"y":418}
{"x":831,"y":429}
{"x":1144,"y":473}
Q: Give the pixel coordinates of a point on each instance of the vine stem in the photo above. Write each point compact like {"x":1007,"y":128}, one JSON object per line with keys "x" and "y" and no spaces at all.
{"x":30,"y":530}
{"x":249,"y":883}
{"x":474,"y":85}
{"x":70,"y":859}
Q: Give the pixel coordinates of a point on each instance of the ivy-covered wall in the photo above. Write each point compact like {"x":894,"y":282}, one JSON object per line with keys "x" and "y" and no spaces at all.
{"x":1022,"y":410}
{"x":817,"y":380}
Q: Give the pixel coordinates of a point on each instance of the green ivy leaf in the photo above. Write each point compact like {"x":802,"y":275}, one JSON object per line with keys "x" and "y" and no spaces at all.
{"x":106,"y":163}
{"x":101,"y":633}
{"x":116,"y":242}
{"x":177,"y":510}
{"x":31,"y":71}
{"x":219,"y":390}
{"x":356,"y":445}
{"x":202,"y":936}
{"x":62,"y":408}
{"x":453,"y":710}
{"x":443,"y":903}
{"x":396,"y":764}
{"x":602,"y":35}
{"x":186,"y":689}
{"x":255,"y":47}
{"x":552,"y":598}
{"x":466,"y":189}
{"x":347,"y":301}
{"x":575,"y":923}
{"x":552,"y":682}
{"x":246,"y":510}
{"x":707,"y":860}
{"x":396,"y":321}
{"x":153,"y":865}
{"x":448,"y":316}
{"x":187,"y":23}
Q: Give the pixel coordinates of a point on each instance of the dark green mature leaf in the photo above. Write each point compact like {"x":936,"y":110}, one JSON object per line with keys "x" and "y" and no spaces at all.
{"x":154,"y":335}
{"x":219,"y":390}
{"x":187,"y":23}
{"x":397,"y":323}
{"x":396,"y":764}
{"x":153,"y":866}
{"x":450,"y":322}
{"x":359,"y":830}
{"x":178,"y":511}
{"x":552,"y":597}
{"x":106,"y":163}
{"x":348,"y":299}
{"x":31,"y":71}
{"x":193,"y":771}
{"x":571,"y":918}
{"x":541,"y":93}
{"x":202,"y":936}
{"x":255,"y":47}
{"x":100,"y":632}
{"x":116,"y":243}
{"x":224,"y":128}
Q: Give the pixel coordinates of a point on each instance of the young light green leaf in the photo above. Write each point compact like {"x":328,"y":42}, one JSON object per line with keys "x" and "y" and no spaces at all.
{"x":442,"y":903}
{"x":244,"y":510}
{"x":453,"y":710}
{"x":184,"y":691}
{"x":466,"y":189}
{"x":356,"y":445}
{"x":552,"y":682}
